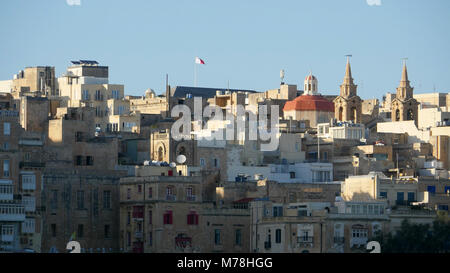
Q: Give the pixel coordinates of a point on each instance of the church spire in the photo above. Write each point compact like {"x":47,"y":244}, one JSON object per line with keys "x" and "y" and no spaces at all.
{"x":404,"y":90}
{"x":404,"y":81}
{"x":348,"y":88}
{"x":348,"y":72}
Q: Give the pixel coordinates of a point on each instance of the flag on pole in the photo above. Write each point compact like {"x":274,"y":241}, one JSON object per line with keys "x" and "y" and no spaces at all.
{"x":199,"y":61}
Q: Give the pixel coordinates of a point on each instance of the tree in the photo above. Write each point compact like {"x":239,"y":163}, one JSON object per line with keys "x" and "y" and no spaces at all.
{"x":417,"y":238}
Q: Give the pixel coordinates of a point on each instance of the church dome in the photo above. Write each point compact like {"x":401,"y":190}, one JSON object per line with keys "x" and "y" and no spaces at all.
{"x":309,"y":103}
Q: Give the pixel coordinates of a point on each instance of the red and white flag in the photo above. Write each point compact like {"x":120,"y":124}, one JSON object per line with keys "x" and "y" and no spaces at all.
{"x":199,"y":61}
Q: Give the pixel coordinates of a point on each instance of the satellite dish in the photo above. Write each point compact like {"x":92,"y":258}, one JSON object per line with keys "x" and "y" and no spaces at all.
{"x":181,"y":159}
{"x":173,"y":165}
{"x":146,"y":163}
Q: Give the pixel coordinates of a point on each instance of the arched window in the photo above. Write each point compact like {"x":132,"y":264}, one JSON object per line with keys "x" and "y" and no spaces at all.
{"x":410,"y":115}
{"x":397,"y":115}
{"x":353,"y":114}
{"x":341,"y":112}
{"x":170,"y":193}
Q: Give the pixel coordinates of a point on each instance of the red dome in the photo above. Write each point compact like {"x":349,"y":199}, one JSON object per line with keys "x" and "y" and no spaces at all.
{"x":309,"y":103}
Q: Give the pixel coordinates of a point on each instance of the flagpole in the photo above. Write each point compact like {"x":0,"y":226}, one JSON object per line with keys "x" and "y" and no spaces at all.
{"x":195,"y":74}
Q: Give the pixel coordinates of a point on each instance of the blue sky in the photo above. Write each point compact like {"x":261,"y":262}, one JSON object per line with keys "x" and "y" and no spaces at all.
{"x":245,"y":42}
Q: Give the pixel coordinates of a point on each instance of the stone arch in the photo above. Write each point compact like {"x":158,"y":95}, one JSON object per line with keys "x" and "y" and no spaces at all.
{"x":160,"y":152}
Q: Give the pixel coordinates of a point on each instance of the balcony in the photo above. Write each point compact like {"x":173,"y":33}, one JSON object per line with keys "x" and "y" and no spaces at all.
{"x":190,"y":198}
{"x":138,"y":235}
{"x":305,"y":241}
{"x":171,"y":197}
{"x":7,"y":238}
{"x":31,"y":165}
{"x":6,"y":192}
{"x":12,"y":213}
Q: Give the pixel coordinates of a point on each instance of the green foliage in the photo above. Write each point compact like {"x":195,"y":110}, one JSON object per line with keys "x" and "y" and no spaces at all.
{"x":417,"y":238}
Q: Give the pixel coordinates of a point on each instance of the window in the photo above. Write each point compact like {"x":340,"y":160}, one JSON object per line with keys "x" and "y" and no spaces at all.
{"x":278,"y":236}
{"x":170,"y":196}
{"x":78,"y":136}
{"x":139,"y":188}
{"x":53,"y":230}
{"x":89,"y":161}
{"x":54,"y":199}
{"x":80,"y":231}
{"x":150,"y":217}
{"x":400,"y":196}
{"x":128,"y":194}
{"x":216,"y":162}
{"x":80,"y":199}
{"x":278,"y":211}
{"x":98,"y":95}
{"x":6,"y":146}
{"x":115,"y":94}
{"x":238,"y":237}
{"x":138,"y":212}
{"x":383,"y":195}
{"x":190,"y":196}
{"x":128,"y":218}
{"x":411,"y":197}
{"x":106,"y":199}
{"x":6,"y":168}
{"x":217,"y":239}
{"x":121,"y":109}
{"x":29,"y":225}
{"x":447,"y":189}
{"x":107,"y":231}
{"x":150,"y":238}
{"x":168,"y":218}
{"x":128,"y":238}
{"x":6,"y":128}
{"x":85,"y":94}
{"x":79,"y":160}
{"x":150,"y":193}
{"x":192,"y":218}
{"x":431,"y":189}
{"x":202,"y":162}
{"x":29,"y":203}
{"x":292,"y":175}
{"x":29,"y":182}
